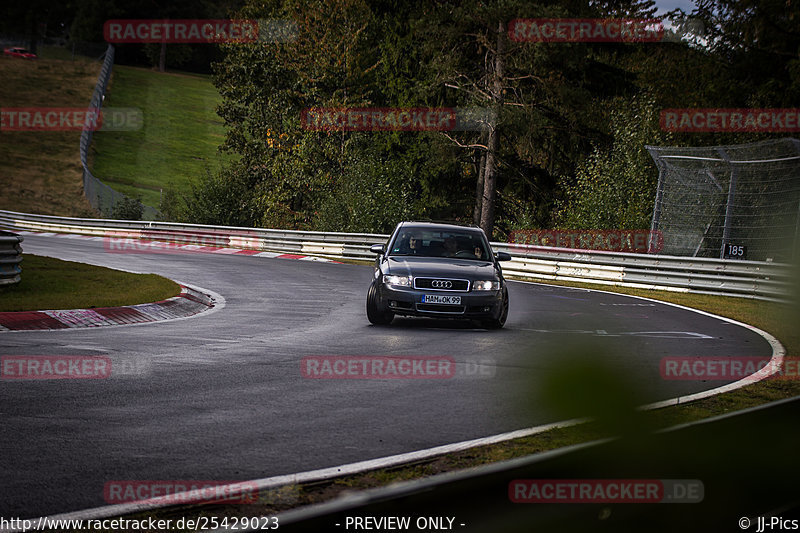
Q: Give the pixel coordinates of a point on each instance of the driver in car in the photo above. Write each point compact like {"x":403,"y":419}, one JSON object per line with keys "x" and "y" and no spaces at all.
{"x":411,"y":245}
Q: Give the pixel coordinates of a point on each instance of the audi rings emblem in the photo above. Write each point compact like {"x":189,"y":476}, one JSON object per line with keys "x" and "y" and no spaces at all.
{"x":441,"y":284}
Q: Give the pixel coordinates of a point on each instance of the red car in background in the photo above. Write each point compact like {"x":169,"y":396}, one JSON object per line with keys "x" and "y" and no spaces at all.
{"x":19,"y":52}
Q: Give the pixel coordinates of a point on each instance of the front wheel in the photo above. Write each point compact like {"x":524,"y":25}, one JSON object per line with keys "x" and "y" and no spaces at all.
{"x":376,"y":315}
{"x":500,"y":321}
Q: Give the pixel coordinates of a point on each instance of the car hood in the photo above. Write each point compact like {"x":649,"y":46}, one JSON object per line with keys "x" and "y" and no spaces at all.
{"x":439,"y":267}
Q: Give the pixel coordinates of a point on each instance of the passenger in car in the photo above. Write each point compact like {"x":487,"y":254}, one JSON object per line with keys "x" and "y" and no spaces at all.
{"x":450,"y":247}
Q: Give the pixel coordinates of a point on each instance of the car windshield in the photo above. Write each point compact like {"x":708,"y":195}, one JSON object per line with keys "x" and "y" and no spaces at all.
{"x":440,"y":243}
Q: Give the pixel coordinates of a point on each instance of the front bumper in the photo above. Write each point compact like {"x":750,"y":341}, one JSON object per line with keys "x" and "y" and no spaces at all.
{"x":408,"y":301}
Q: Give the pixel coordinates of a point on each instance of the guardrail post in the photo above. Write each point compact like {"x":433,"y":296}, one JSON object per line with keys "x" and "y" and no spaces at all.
{"x":659,"y":195}
{"x":726,"y":230}
{"x":796,"y":252}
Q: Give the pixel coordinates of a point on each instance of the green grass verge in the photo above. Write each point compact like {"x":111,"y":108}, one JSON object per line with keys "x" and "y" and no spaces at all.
{"x":179,"y":138}
{"x":778,"y":319}
{"x":41,"y":171}
{"x":49,"y":283}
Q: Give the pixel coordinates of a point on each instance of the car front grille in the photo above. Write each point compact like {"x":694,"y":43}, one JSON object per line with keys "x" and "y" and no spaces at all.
{"x":441,"y":284}
{"x":441,"y":308}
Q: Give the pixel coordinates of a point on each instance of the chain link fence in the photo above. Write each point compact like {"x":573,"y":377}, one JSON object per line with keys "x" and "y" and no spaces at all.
{"x":101,"y":196}
{"x":732,"y":202}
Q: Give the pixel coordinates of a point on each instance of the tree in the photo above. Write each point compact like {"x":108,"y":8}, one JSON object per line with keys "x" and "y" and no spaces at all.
{"x":550,"y":105}
{"x":759,"y":40}
{"x":615,"y":187}
{"x":35,"y":19}
{"x":540,"y":95}
{"x":90,"y":16}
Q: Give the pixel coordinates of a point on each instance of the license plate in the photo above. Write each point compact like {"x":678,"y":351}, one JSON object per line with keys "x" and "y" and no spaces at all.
{"x":441,"y":299}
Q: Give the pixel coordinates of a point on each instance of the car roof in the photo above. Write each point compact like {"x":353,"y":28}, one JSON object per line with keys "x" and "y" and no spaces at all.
{"x":438,"y":226}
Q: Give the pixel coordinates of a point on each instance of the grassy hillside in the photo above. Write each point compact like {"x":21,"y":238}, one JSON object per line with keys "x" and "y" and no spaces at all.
{"x":40,"y":172}
{"x":179,"y":138}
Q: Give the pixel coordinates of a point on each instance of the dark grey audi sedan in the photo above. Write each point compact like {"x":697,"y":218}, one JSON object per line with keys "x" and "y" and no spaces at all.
{"x":440,"y":271}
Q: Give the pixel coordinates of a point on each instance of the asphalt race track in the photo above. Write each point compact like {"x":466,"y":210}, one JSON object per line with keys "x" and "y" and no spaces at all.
{"x":221,"y":396}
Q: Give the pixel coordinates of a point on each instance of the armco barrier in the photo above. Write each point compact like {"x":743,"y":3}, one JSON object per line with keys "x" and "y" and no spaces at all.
{"x":10,"y":258}
{"x":754,"y":279}
{"x":650,"y":271}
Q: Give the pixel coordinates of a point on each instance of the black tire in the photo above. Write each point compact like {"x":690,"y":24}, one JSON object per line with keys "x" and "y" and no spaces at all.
{"x":376,"y":315}
{"x":499,"y":322}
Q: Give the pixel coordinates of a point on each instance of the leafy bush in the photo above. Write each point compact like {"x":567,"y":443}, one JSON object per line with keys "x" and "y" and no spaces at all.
{"x":223,"y":199}
{"x":128,"y":209}
{"x":615,"y":187}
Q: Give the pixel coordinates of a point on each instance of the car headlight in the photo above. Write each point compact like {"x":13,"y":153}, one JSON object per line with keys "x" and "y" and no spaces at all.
{"x":486,"y":285}
{"x":398,"y":281}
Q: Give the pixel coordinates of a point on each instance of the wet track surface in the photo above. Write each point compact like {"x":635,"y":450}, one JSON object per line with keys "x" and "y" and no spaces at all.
{"x":221,"y":396}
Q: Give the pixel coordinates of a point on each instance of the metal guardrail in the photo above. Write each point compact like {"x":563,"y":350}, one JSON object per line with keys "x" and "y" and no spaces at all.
{"x":10,"y":258}
{"x":715,"y":276}
{"x":754,"y":279}
{"x":101,"y":196}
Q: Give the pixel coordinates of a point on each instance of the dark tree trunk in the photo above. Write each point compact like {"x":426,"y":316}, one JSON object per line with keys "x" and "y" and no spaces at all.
{"x":490,"y":174}
{"x":489,"y":185}
{"x":33,"y":32}
{"x":476,"y":212}
{"x":162,"y":58}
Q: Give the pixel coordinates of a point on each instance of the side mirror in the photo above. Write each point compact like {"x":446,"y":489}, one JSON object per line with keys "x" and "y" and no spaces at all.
{"x":503,"y":256}
{"x":377,"y":249}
